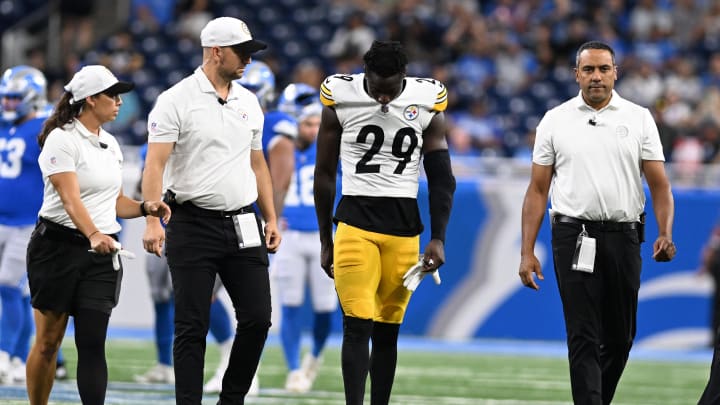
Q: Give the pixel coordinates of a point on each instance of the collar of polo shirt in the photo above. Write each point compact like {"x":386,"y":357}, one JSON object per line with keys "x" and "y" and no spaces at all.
{"x":94,"y":139}
{"x":614,"y":104}
{"x":207,"y":87}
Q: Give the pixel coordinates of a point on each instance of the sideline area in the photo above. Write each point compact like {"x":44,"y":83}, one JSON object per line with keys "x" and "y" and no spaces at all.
{"x":492,"y":372}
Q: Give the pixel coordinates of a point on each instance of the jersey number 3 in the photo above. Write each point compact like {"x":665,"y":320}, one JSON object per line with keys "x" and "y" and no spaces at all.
{"x":11,"y":153}
{"x":378,"y":135}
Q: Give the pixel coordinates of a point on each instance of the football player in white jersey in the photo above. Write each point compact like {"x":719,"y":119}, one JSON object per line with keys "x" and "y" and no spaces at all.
{"x":378,"y":125}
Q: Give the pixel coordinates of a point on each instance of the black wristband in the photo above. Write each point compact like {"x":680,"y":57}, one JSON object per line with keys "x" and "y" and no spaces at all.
{"x":441,"y":187}
{"x":143,"y":211}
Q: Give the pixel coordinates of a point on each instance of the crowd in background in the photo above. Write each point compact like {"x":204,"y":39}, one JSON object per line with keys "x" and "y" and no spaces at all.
{"x":505,"y":62}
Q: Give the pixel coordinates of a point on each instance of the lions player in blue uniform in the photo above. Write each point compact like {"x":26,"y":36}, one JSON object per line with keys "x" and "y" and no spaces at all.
{"x":279,"y":129}
{"x":297,"y":264}
{"x":23,"y":93}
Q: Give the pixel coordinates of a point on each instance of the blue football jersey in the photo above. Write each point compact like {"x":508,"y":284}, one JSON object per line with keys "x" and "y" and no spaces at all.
{"x":143,"y":154}
{"x":21,"y":182}
{"x":277,"y":123}
{"x":299,"y":208}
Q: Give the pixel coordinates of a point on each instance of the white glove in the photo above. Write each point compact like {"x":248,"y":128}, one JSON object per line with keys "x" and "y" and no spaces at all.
{"x":120,"y":252}
{"x":415,"y":274}
{"x":116,"y":255}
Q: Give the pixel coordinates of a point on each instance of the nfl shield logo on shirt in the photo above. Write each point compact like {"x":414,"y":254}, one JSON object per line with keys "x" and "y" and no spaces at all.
{"x":622,"y":131}
{"x":411,"y":112}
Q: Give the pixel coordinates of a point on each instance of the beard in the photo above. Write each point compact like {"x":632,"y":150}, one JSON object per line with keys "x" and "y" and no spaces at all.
{"x":229,"y":74}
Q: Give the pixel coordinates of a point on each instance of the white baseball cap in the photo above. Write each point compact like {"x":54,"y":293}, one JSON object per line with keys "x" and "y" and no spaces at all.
{"x":95,"y":79}
{"x":229,"y":31}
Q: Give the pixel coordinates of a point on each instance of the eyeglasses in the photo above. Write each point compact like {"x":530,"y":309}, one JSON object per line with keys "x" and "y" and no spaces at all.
{"x":115,"y":97}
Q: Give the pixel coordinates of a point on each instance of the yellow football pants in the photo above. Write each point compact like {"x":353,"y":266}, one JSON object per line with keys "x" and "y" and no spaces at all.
{"x":369,"y":267}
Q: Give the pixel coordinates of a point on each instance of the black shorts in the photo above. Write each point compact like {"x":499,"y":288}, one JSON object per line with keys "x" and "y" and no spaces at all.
{"x":64,"y":276}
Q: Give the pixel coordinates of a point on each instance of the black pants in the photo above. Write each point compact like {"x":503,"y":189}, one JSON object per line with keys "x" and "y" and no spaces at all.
{"x":600,"y":308}
{"x":198,"y":248}
{"x":715,"y":309}
{"x":711,"y":394}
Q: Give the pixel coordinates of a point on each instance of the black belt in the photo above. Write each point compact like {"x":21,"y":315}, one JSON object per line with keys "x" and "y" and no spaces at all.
{"x":204,"y":212}
{"x":62,"y":233}
{"x":609,"y":226}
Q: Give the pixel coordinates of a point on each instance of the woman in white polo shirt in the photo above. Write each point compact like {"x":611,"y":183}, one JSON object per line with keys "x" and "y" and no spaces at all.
{"x":70,"y":254}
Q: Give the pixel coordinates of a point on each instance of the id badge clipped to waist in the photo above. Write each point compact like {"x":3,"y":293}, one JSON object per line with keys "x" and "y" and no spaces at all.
{"x":584,"y":257}
{"x":247,"y":231}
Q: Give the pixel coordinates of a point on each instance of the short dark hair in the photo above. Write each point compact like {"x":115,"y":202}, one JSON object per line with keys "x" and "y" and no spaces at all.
{"x":386,"y":58}
{"x":594,"y":45}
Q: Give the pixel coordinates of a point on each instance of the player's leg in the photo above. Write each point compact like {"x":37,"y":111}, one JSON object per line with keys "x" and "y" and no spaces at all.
{"x":61,"y":372}
{"x":397,"y":255}
{"x":161,"y":292}
{"x":290,"y":272}
{"x":325,"y":303}
{"x":22,"y":347}
{"x":10,"y":328}
{"x":13,"y":282}
{"x":357,"y":276}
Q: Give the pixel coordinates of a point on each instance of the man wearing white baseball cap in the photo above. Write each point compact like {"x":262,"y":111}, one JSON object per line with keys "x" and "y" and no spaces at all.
{"x":229,"y":31}
{"x":205,"y":136}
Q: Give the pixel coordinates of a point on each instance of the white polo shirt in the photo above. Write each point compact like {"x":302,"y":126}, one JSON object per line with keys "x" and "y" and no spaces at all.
{"x":210,"y":163}
{"x":99,"y":174}
{"x":597,"y":168}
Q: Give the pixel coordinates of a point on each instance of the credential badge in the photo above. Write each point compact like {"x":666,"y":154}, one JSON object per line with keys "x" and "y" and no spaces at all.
{"x":411,"y":112}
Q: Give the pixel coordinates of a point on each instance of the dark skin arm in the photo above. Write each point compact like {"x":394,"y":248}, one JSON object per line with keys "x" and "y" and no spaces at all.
{"x":664,"y":206}
{"x":434,"y":138}
{"x":533,"y":211}
{"x":328,"y":153}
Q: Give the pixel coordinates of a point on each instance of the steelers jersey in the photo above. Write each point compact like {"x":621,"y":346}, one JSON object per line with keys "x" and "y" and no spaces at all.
{"x":380,"y":148}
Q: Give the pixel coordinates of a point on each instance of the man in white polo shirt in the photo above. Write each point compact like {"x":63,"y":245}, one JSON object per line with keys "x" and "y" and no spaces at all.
{"x":204,"y":148}
{"x":591,"y":153}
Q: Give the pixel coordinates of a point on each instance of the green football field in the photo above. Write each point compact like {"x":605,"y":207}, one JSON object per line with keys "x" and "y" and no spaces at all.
{"x":428,"y":376}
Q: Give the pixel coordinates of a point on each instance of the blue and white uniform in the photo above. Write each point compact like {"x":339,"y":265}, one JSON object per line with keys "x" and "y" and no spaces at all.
{"x":23,"y":91}
{"x":21,"y":195}
{"x":297,"y":264}
{"x":298,"y":261}
{"x":277,"y":124}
